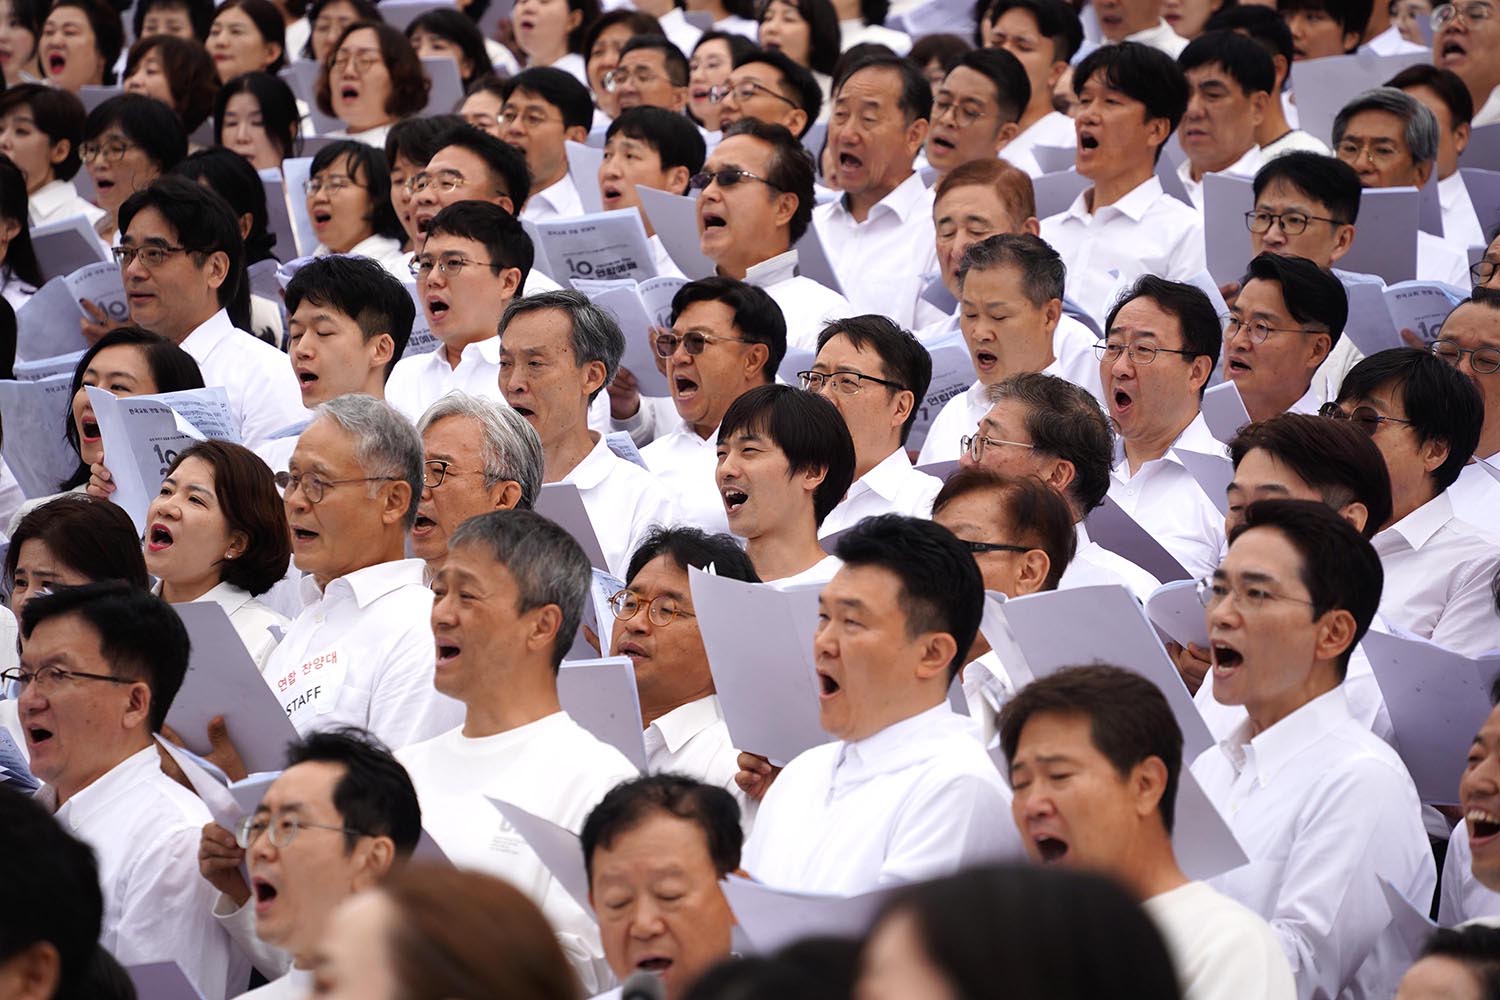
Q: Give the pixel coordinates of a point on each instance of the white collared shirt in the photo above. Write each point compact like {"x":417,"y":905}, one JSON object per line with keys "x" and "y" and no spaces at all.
{"x":856,"y":32}
{"x":880,"y":262}
{"x":693,"y":739}
{"x":806,"y":305}
{"x":1161,"y":37}
{"x":687,"y":466}
{"x":370,"y":136}
{"x":558,"y":200}
{"x":1460,"y":223}
{"x":367,"y":639}
{"x":1094,"y":566}
{"x":57,"y":200}
{"x":892,"y":487}
{"x":1167,"y":501}
{"x":552,"y":768}
{"x":987,"y":686}
{"x":917,"y":800}
{"x":383,"y":250}
{"x":817,"y":574}
{"x":1488,"y":113}
{"x":1146,"y":232}
{"x":258,"y":379}
{"x":418,"y":382}
{"x":1476,"y":497}
{"x":253,"y":622}
{"x":1463,"y":897}
{"x":679,"y":32}
{"x":1439,"y":573}
{"x":1052,"y":129}
{"x":1245,"y":167}
{"x":1220,"y":949}
{"x":144,"y":829}
{"x":623,"y":501}
{"x":1324,"y":809}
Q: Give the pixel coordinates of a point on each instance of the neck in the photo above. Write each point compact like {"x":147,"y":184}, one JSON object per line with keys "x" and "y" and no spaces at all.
{"x":546,"y":57}
{"x":1489,"y":440}
{"x":737,"y":263}
{"x":1151,"y":445}
{"x":564,"y":454}
{"x":543,"y":183}
{"x":1023,"y":354}
{"x":68,"y":786}
{"x":1039,"y":108}
{"x":1322,"y":679}
{"x":865,"y":459}
{"x":520,"y":695}
{"x":374,"y":383}
{"x":388,"y":549}
{"x":1404,"y":501}
{"x":1274,"y":125}
{"x":178,"y":335}
{"x":454,"y":344}
{"x":1274,"y":400}
{"x":859,"y":205}
{"x":847,"y":10}
{"x":1108,"y":190}
{"x":654,"y":704}
{"x":184,"y":591}
{"x":786,"y":552}
{"x":1150,"y":868}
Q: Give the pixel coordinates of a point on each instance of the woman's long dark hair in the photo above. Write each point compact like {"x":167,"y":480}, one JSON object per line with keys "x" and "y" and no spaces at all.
{"x":20,"y":258}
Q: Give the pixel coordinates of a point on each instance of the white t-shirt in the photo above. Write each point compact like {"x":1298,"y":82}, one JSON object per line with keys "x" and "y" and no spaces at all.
{"x":1222,"y":951}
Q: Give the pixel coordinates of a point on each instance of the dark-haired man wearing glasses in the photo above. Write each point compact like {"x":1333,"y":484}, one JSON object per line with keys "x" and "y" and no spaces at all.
{"x":1470,"y":342}
{"x":1287,"y":318}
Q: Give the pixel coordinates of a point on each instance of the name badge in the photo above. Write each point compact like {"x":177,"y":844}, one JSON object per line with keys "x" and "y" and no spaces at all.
{"x":311,"y":689}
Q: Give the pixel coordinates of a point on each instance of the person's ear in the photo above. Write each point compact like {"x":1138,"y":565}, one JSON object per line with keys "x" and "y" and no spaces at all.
{"x":906,"y":400}
{"x":277,"y":52}
{"x":753,"y":362}
{"x":1335,"y":634}
{"x":510,"y":282}
{"x":382,"y":349}
{"x":247,"y":222}
{"x":1280,"y":68}
{"x":217,"y":269}
{"x":811,"y":479}
{"x":545,"y":622}
{"x":1343,"y":239}
{"x":1357,"y":514}
{"x":1032,"y":226}
{"x":397,"y":501}
{"x":1318,"y":350}
{"x":1199,"y":371}
{"x":1158,"y":130}
{"x":1424,"y":172}
{"x":1061,"y":475}
{"x":9,"y":229}
{"x":238,"y":543}
{"x":1032,"y":577}
{"x":784,"y":207}
{"x":938,"y":651}
{"x":1148,"y":783}
{"x":504,"y":201}
{"x":59,"y":151}
{"x":1434,"y":452}
{"x":505,"y":494}
{"x":1351,"y":40}
{"x":595,"y":376}
{"x":137,"y":705}
{"x":575,"y":18}
{"x":1055,"y":73}
{"x":377,"y":856}
{"x":33,"y":973}
{"x":1052,"y":314}
{"x":577,"y":133}
{"x":677,"y":179}
{"x":916,"y":135}
{"x":1260,"y":101}
{"x":795,"y":121}
{"x":1008,"y":131}
{"x":1461,"y":136}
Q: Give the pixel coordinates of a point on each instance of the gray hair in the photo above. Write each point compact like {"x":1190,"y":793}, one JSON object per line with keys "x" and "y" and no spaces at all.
{"x":545,"y":561}
{"x":1065,"y":420}
{"x":596,"y":336}
{"x":509,"y":448}
{"x":1419,"y":124}
{"x":385,"y":442}
{"x":1043,"y":272}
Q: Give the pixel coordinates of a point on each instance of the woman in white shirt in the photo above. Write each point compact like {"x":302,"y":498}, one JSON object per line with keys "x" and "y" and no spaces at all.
{"x":19,"y":274}
{"x":40,"y":129}
{"x":256,"y":116}
{"x":552,"y":32}
{"x":217,"y":531}
{"x":349,"y":203}
{"x":128,"y":142}
{"x":806,"y":32}
{"x":246,"y":36}
{"x":371,"y":79}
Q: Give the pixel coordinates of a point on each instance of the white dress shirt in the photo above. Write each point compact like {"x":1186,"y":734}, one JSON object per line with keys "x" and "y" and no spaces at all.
{"x":687,"y":464}
{"x":1476,"y":497}
{"x":1460,"y":223}
{"x":1146,"y":232}
{"x":1488,"y":113}
{"x":1161,"y":37}
{"x":361,"y":654}
{"x":383,"y":250}
{"x":623,"y":501}
{"x":253,"y":622}
{"x":806,"y":305}
{"x":552,"y":768}
{"x":679,"y":32}
{"x":1221,"y":950}
{"x":558,"y":200}
{"x":418,"y":382}
{"x":1324,"y":809}
{"x":1438,"y":578}
{"x":856,"y":32}
{"x":892,"y":487}
{"x":987,"y":686}
{"x":1439,"y":260}
{"x":370,"y":136}
{"x":1093,"y":566}
{"x":263,"y":392}
{"x":1052,"y":129}
{"x":1463,"y":897}
{"x":817,"y":574}
{"x":880,"y":262}
{"x":693,"y":739}
{"x":57,"y":200}
{"x":1167,"y":501}
{"x":144,"y":829}
{"x":1245,"y":167}
{"x":917,"y":800}
{"x":1292,"y":141}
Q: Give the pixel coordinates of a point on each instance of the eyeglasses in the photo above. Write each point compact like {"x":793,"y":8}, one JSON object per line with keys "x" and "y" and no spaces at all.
{"x":693,"y":342}
{"x":1140,"y":354}
{"x":446,"y":181}
{"x":1471,"y":12}
{"x":1291,"y":223}
{"x":151,"y":257}
{"x":422,"y":266}
{"x":728,"y":177}
{"x":282,"y":832}
{"x":963,"y":115}
{"x":48,"y":679}
{"x":1212,"y":592}
{"x":660,"y":611}
{"x":314,"y":488}
{"x":618,"y":77}
{"x":974,"y":444}
{"x":1482,"y":271}
{"x":108,"y":151}
{"x":1378,"y":151}
{"x":744,"y":91}
{"x":979,"y":548}
{"x":533,"y":119}
{"x":845,"y":383}
{"x":434,"y":472}
{"x":333,"y":184}
{"x":1484,"y":360}
{"x":364,"y":60}
{"x":1366,"y":418}
{"x":1259,"y":330}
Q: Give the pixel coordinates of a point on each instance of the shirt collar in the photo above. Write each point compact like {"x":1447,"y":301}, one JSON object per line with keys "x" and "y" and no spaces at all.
{"x":208,"y":334}
{"x":559,"y":195}
{"x":1158,"y":32}
{"x":1418,"y":527}
{"x":228,"y":596}
{"x":1272,"y":749}
{"x":1135,"y":204}
{"x":905,"y":199}
{"x":772,"y":270}
{"x":887,"y":477}
{"x":684,"y":722}
{"x":594,"y":468}
{"x":376,"y":247}
{"x":893,"y":748}
{"x":89,"y":801}
{"x":52,"y":196}
{"x":370,"y":583}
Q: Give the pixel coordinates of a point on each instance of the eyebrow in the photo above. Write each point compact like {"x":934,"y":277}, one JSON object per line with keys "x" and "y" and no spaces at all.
{"x":852,"y":603}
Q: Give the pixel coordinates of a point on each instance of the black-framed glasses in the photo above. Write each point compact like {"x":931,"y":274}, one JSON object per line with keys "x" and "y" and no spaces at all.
{"x":314,"y":488}
{"x":282,"y":831}
{"x":1140,"y":354}
{"x":1212,"y":592}
{"x":88,"y":152}
{"x":963,"y":115}
{"x":1482,"y":271}
{"x":151,"y":256}
{"x":1366,"y":418}
{"x":974,"y":444}
{"x":421,"y":266}
{"x":48,"y":679}
{"x":979,"y":548}
{"x":694,"y":341}
{"x":1259,"y":330}
{"x":744,"y":91}
{"x":660,"y":611}
{"x":1472,"y":12}
{"x":843,"y":382}
{"x":727,"y":177}
{"x":1484,"y":360}
{"x":437,"y":470}
{"x":1291,"y":223}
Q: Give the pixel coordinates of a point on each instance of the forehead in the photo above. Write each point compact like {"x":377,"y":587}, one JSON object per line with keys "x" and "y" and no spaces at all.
{"x":762,"y":73}
{"x":1099,"y":83}
{"x":877,"y":84}
{"x":61,"y":633}
{"x":1472,"y":323}
{"x":308,"y":312}
{"x":439,"y":244}
{"x":460,"y":161}
{"x":361,"y":38}
{"x":744,"y":150}
{"x":714,"y":316}
{"x":975,"y":199}
{"x":473,"y":560}
{"x":68,"y":15}
{"x":967,"y":82}
{"x":1379,"y":124}
{"x":453,"y":435}
{"x":323,"y":440}
{"x":1280,"y":193}
{"x":657,"y":840}
{"x":309,"y":783}
{"x":1261,"y":468}
{"x":659,"y":574}
{"x":1261,"y":295}
{"x":1018,"y":21}
{"x":633,"y":143}
{"x":654,"y":56}
{"x":840,"y":351}
{"x":538,"y":328}
{"x":148,"y":224}
{"x":1000,"y":281}
{"x":981,"y":508}
{"x":1145,"y":315}
{"x":118,"y":357}
{"x":1263,"y":550}
{"x":874,"y":586}
{"x":1053,"y":732}
{"x":528,"y":99}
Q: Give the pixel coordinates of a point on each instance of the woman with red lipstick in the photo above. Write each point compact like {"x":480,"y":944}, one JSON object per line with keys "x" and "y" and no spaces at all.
{"x":81,"y":39}
{"x":370,"y":80}
{"x":247,"y":35}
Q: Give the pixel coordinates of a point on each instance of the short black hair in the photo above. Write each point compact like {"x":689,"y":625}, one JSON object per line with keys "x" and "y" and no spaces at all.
{"x":199,"y":12}
{"x":268,"y":22}
{"x":1129,"y":720}
{"x":1012,"y":88}
{"x":278,"y":109}
{"x":417,"y":139}
{"x":791,"y":168}
{"x":631,"y":803}
{"x":457,"y":27}
{"x":139,"y":635}
{"x":506,"y":163}
{"x":94,"y":538}
{"x":1333,"y":457}
{"x":941,"y":589}
{"x":231,"y":176}
{"x":1352,"y":16}
{"x":824,"y":36}
{"x":1065,"y":420}
{"x":1141,"y":73}
{"x":1325,"y":179}
{"x":677,"y":141}
{"x":798,"y":84}
{"x":109,"y":30}
{"x":361,"y":289}
{"x":374,"y":796}
{"x":808,"y":429}
{"x":558,"y":88}
{"x":504,"y":238}
{"x":367,"y":167}
{"x":20,"y":257}
{"x":1441,"y":403}
{"x":1446,"y":84}
{"x":1261,"y":25}
{"x":1202,"y":332}
{"x":147,"y":122}
{"x":1055,"y":21}
{"x":914,"y":98}
{"x":688,"y":546}
{"x":1314,"y":297}
{"x":676,"y":63}
{"x":756,"y":314}
{"x":903,"y":359}
{"x":58,"y":114}
{"x":1340,"y":569}
{"x":1043,"y":273}
{"x":201,"y":218}
{"x":639,"y":23}
{"x":1036,"y":514}
{"x":943,"y":48}
{"x":1246,"y":62}
{"x":1475,"y":947}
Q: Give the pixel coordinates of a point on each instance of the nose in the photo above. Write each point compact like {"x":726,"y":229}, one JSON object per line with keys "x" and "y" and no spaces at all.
{"x":442,"y":610}
{"x":1224,"y":614}
{"x":825,"y":646}
{"x":1123,"y":367}
{"x":645,"y":919}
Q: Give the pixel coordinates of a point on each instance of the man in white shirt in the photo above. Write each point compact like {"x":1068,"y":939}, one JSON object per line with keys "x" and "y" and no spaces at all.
{"x":1288,"y":316}
{"x":1095,"y":760}
{"x":339,"y":818}
{"x":1324,"y":808}
{"x":655,"y":850}
{"x":976,"y":109}
{"x":544,"y":108}
{"x":506,"y":606}
{"x":1044,"y":35}
{"x":470,"y":165}
{"x":1043,"y":426}
{"x":875,"y":374}
{"x":1138,"y":21}
{"x":653,"y":148}
{"x":1425,"y":417}
{"x":474,"y":260}
{"x":1275,"y":134}
{"x":878,"y":233}
{"x":785,"y":459}
{"x":186,"y":296}
{"x":557,"y":353}
{"x":360,"y":653}
{"x":1130,"y":99}
{"x":766,"y":84}
{"x":478,"y":456}
{"x":1229,"y":81}
{"x":727,"y":337}
{"x":1470,"y":341}
{"x":905,"y":792}
{"x":652,"y":72}
{"x":1479,"y":800}
{"x":1162,"y":345}
{"x":1443,"y":92}
{"x":1466,"y":46}
{"x":90,"y":719}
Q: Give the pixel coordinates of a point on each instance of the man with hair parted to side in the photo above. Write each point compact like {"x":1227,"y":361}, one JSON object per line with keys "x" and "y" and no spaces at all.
{"x":1469,"y":340}
{"x":1282,"y":327}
